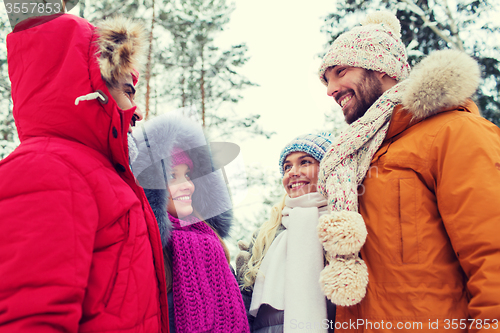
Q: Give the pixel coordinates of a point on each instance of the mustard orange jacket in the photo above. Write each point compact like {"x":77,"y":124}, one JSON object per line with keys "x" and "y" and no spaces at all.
{"x":431,"y":204}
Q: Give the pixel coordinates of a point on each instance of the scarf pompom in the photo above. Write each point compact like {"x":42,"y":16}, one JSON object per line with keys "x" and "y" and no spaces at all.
{"x":342,"y":232}
{"x":344,"y":280}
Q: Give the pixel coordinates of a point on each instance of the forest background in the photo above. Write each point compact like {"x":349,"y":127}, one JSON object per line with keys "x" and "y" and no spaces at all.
{"x":247,"y":71}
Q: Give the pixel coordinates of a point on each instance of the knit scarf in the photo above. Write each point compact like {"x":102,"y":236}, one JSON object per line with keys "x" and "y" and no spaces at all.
{"x":206,"y":294}
{"x":288,"y":276}
{"x":343,"y":231}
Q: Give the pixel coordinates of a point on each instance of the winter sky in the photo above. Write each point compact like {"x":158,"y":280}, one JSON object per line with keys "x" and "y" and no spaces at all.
{"x":284,"y":40}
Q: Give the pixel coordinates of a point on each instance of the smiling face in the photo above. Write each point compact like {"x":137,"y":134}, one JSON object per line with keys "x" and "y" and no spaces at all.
{"x":181,"y":189}
{"x":123,"y":94}
{"x":354,"y":89}
{"x":300,"y":174}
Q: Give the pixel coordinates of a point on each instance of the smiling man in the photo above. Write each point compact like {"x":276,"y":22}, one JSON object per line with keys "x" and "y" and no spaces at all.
{"x":356,"y":89}
{"x":426,"y":163}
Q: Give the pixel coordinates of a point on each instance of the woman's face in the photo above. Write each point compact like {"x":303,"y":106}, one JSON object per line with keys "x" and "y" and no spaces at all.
{"x":300,"y":174}
{"x":181,"y":189}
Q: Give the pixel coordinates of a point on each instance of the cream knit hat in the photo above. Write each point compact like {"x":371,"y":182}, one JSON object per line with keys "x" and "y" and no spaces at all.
{"x":375,"y":45}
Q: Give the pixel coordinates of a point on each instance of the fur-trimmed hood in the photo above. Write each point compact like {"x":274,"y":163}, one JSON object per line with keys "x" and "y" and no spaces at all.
{"x":54,"y":62}
{"x":443,"y":79}
{"x":121,"y":48}
{"x":155,"y":142}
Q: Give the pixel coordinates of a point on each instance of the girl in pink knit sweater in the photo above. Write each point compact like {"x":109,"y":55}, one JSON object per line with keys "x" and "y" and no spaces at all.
{"x":193,"y":210}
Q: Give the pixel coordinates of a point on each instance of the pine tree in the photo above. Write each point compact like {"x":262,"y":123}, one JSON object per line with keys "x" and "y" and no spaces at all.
{"x":200,"y":74}
{"x":428,"y":25}
{"x":8,"y":134}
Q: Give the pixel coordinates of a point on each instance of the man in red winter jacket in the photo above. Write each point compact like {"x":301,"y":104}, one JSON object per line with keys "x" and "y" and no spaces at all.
{"x":79,"y":246}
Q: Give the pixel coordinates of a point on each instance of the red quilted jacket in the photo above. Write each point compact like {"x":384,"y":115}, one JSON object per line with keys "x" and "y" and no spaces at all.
{"x":80,"y":249}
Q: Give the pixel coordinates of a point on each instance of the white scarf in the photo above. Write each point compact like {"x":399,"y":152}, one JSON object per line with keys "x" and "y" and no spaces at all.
{"x":342,"y":170}
{"x":288,"y":276}
{"x":133,"y":152}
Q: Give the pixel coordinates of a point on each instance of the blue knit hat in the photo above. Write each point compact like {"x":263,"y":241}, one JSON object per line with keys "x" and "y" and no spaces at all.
{"x":315,"y":145}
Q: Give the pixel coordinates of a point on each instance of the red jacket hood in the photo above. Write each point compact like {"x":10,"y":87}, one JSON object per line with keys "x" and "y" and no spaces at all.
{"x":50,"y":65}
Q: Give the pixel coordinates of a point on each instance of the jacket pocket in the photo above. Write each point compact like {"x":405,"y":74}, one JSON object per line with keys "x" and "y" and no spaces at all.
{"x":117,"y":288}
{"x":407,"y":218}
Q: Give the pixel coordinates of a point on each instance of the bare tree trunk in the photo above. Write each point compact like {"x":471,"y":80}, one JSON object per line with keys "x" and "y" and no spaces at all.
{"x":183,"y":94}
{"x":432,"y":25}
{"x":202,"y":83}
{"x":453,"y":27}
{"x":82,"y":7}
{"x":148,"y":66}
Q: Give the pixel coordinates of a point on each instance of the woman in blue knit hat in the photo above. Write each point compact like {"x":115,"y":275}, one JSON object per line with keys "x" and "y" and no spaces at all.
{"x":279,"y":272}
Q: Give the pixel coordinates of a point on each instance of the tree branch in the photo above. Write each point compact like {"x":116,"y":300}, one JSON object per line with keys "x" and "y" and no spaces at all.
{"x":453,"y":26}
{"x":417,"y":10}
{"x":149,"y":65}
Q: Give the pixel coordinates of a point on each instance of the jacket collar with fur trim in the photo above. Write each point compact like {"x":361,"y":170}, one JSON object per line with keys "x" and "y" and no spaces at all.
{"x":443,"y":81}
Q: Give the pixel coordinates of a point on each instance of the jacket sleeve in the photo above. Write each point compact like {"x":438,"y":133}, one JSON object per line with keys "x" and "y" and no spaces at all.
{"x":48,"y":222}
{"x":467,"y":166}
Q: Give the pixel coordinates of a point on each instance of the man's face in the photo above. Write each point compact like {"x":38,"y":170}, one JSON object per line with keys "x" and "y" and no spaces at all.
{"x":124,"y":94}
{"x":354,"y":89}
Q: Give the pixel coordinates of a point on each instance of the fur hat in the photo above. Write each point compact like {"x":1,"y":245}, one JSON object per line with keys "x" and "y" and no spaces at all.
{"x":313,"y":144}
{"x":121,"y":49}
{"x":157,"y":141}
{"x":375,"y":45}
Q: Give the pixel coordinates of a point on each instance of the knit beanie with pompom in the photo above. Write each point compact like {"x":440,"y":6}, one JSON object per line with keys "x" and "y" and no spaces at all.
{"x":375,"y":45}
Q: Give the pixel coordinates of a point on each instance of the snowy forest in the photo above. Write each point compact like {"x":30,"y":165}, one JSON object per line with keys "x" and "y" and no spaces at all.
{"x":187,"y":67}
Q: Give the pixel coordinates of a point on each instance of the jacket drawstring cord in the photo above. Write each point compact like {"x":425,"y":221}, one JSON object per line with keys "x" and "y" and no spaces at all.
{"x":95,"y":95}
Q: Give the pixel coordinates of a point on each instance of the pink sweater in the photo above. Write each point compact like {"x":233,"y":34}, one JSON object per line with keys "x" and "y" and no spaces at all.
{"x":206,"y":294}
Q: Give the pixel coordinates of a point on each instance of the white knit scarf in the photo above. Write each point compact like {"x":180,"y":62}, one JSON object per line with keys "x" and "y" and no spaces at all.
{"x":342,"y":170}
{"x":288,"y":276}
